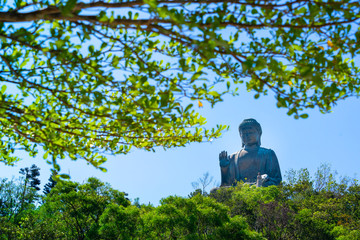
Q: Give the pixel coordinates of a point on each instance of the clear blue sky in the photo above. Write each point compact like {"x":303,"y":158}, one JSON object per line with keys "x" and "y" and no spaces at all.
{"x":322,"y":138}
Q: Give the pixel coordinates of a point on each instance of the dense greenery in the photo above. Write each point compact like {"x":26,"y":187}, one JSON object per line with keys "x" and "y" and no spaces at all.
{"x":84,"y":78}
{"x":301,"y":208}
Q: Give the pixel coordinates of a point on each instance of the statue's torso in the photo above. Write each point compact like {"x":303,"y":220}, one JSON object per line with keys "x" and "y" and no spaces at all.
{"x":246,"y":164}
{"x":249,"y":163}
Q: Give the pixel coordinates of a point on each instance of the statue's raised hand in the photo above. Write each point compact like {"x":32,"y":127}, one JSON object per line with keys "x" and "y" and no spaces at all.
{"x":224,"y":159}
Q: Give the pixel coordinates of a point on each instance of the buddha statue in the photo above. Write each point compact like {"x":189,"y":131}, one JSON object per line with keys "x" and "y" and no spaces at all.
{"x":252,"y":164}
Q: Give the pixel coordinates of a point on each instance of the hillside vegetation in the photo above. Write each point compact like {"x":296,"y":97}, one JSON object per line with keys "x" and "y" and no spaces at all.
{"x":303,"y":207}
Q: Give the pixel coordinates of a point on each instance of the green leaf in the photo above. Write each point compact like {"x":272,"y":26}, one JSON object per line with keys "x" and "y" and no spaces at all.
{"x":302,"y":10}
{"x":64,"y":176}
{"x":297,"y":47}
{"x":3,"y":89}
{"x":305,"y":115}
{"x":188,"y":107}
{"x":69,"y":6}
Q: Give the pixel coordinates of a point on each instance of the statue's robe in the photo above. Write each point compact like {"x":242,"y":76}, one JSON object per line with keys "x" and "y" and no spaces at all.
{"x":246,"y":164}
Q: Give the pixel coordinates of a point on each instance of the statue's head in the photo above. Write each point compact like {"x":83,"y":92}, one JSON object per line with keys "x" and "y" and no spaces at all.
{"x":250,"y":132}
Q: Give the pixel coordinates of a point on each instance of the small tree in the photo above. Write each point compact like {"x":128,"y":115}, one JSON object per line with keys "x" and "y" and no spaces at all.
{"x":31,"y":176}
{"x":52,"y":183}
{"x":201,"y":184}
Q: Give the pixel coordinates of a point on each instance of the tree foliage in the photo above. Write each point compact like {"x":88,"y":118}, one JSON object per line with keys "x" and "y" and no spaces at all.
{"x":76,"y":209}
{"x":17,"y":201}
{"x":298,"y":209}
{"x":31,"y":176}
{"x":94,"y":210}
{"x":51,"y":184}
{"x":83,"y":78}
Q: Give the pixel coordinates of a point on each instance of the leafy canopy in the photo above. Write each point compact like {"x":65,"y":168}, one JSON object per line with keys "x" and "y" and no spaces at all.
{"x":84,"y":78}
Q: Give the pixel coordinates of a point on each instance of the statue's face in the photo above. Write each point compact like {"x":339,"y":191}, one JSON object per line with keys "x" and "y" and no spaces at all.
{"x":249,"y":135}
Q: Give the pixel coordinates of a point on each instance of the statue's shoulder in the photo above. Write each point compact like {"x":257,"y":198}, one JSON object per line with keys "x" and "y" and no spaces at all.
{"x":233,"y":155}
{"x":266,"y":151}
